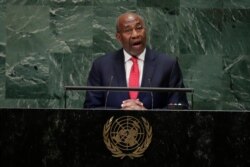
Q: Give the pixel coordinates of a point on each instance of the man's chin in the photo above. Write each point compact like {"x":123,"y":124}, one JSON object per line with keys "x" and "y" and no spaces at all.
{"x":136,"y":50}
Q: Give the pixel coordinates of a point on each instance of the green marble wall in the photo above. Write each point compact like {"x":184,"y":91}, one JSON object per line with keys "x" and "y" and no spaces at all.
{"x":46,"y":44}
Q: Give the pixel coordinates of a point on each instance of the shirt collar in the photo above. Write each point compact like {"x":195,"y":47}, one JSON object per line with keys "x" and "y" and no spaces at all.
{"x":127,"y":56}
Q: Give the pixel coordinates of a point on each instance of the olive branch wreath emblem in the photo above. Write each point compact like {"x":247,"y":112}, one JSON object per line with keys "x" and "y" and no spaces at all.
{"x":117,"y":152}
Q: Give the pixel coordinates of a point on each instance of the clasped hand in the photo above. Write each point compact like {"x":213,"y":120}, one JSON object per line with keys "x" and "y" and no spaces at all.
{"x":132,"y":104}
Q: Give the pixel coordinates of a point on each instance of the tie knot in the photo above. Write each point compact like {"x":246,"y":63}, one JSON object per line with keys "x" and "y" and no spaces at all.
{"x":134,"y":59}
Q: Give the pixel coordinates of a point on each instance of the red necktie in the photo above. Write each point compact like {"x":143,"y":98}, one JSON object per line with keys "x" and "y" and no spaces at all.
{"x":134,"y":77}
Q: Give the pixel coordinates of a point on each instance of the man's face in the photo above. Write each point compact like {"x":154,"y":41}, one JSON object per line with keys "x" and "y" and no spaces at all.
{"x":131,"y":34}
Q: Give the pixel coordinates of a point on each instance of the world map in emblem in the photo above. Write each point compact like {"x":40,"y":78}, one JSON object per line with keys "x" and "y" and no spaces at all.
{"x":127,"y":136}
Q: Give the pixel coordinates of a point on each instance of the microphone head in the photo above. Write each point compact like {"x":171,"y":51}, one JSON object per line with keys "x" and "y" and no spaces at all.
{"x":151,"y":93}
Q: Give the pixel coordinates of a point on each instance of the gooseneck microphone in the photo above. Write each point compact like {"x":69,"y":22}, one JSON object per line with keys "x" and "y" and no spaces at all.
{"x":151,"y":93}
{"x":106,"y":98}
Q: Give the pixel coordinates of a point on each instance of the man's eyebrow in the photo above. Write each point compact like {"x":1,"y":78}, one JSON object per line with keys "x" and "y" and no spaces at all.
{"x":137,"y":23}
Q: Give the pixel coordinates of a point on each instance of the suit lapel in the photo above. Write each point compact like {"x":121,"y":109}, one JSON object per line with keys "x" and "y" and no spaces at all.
{"x":119,"y":69}
{"x":120,"y":74}
{"x":148,"y":69}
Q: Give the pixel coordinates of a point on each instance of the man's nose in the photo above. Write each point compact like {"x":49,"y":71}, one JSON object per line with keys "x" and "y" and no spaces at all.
{"x":135,"y":33}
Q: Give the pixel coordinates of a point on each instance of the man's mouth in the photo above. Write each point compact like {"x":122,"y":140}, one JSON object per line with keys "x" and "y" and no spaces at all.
{"x":137,"y":43}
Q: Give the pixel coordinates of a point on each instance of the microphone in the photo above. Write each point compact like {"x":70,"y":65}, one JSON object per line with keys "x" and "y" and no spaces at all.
{"x":151,"y":93}
{"x":106,"y":98}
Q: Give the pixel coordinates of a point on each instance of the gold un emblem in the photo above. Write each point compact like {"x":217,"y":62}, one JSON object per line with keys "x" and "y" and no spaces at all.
{"x":127,"y":136}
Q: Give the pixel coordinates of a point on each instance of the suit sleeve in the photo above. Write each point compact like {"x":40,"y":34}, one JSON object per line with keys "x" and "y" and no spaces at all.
{"x":176,"y":81}
{"x":94,"y":99}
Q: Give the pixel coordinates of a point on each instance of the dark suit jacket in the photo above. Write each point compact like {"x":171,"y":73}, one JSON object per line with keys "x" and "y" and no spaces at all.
{"x":159,"y":70}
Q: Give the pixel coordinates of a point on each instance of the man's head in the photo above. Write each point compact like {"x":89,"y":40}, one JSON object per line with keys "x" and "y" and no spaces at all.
{"x":131,"y":33}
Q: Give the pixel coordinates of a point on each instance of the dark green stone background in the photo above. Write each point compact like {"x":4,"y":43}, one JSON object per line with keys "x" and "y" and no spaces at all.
{"x":46,"y":44}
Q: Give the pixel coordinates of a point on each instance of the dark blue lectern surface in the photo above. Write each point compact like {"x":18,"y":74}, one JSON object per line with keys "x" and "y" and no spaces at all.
{"x":95,"y":138}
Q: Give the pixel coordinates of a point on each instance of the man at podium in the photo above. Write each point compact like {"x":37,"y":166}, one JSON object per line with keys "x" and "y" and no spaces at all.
{"x":134,"y":65}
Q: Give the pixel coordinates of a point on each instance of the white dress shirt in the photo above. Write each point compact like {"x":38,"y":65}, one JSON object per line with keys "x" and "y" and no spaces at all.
{"x":128,"y":64}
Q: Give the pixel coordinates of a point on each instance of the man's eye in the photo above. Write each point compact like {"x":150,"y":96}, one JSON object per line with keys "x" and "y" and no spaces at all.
{"x":128,"y":30}
{"x":139,"y":27}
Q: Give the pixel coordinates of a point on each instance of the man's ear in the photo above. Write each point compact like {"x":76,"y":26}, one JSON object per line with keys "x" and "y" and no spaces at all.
{"x":118,"y":37}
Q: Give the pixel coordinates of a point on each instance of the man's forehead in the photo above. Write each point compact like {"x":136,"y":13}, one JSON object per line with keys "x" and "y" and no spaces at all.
{"x":131,"y":19}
